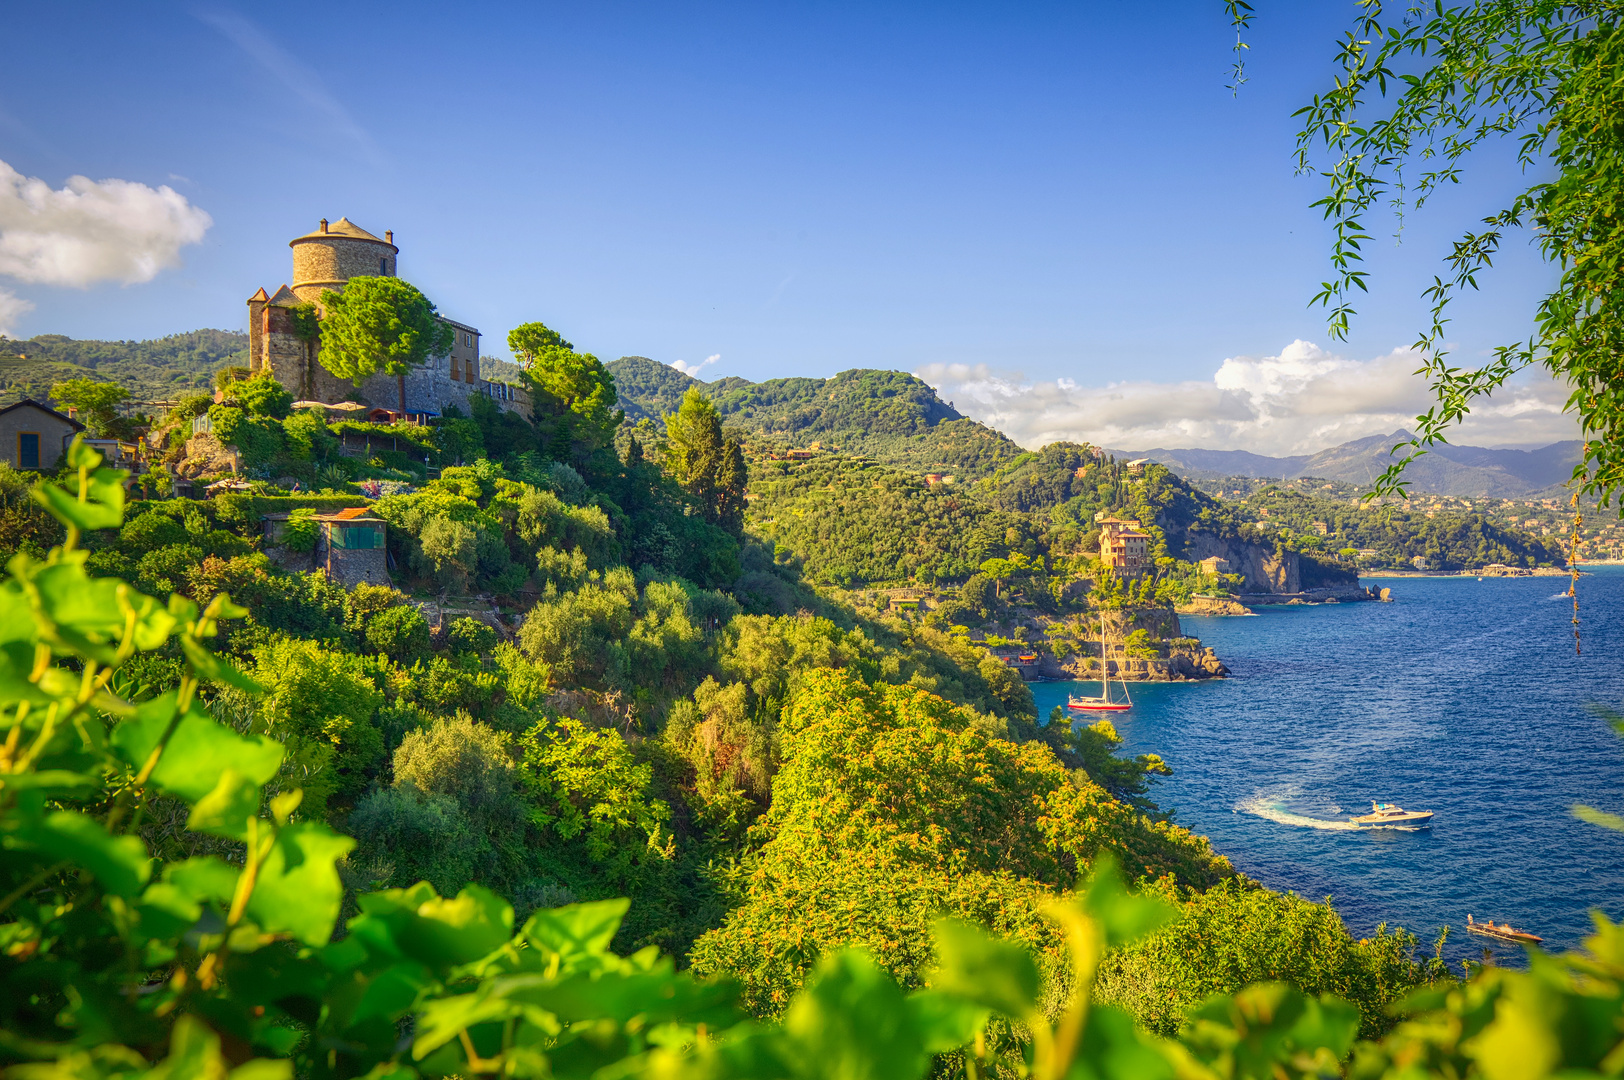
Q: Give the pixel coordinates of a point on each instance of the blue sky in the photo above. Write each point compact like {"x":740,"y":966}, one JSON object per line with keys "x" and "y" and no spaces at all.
{"x":1014,"y":201}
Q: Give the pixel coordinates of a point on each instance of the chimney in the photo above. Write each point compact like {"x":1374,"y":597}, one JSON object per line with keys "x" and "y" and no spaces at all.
{"x":323,"y":224}
{"x":389,"y":236}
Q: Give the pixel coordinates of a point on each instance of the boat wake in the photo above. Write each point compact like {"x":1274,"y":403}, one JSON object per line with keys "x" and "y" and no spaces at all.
{"x":1268,"y":807}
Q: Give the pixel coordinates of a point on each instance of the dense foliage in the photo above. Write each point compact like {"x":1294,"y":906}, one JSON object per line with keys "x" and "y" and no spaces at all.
{"x":162,"y":369}
{"x":1543,"y":75}
{"x":1395,"y":536}
{"x":379,"y":325}
{"x":173,"y":892}
{"x":887,"y":415}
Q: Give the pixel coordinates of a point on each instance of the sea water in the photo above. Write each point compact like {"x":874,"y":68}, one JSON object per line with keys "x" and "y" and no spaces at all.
{"x":1461,"y":697}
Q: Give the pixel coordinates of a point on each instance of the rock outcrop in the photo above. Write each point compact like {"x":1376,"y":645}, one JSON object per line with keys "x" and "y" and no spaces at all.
{"x":1265,"y":570}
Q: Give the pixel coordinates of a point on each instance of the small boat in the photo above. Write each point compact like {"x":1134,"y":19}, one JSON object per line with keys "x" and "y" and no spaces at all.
{"x":1104,"y":702}
{"x":1505,"y":932}
{"x":1386,"y":816}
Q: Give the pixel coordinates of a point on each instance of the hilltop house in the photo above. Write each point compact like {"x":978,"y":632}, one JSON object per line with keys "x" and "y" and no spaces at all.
{"x":33,"y":436}
{"x":1124,"y":546}
{"x":325,"y":260}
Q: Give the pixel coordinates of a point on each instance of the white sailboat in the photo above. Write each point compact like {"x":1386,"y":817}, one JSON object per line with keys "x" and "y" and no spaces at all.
{"x":1103,"y":703}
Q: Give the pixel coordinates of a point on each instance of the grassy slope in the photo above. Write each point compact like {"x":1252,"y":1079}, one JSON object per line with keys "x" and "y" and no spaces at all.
{"x":150,"y":370}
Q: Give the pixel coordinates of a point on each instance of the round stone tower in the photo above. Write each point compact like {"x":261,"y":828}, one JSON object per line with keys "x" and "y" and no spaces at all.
{"x":330,"y":256}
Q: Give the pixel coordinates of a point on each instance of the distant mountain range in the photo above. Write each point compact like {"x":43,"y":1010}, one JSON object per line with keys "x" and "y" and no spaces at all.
{"x":1466,"y":471}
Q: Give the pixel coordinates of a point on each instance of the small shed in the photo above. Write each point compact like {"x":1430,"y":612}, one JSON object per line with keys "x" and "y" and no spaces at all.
{"x":33,"y":436}
{"x":351,"y":547}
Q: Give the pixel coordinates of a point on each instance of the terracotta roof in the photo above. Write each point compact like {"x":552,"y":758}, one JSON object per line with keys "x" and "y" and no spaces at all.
{"x":344,"y":229}
{"x":349,"y":513}
{"x":259,"y":295}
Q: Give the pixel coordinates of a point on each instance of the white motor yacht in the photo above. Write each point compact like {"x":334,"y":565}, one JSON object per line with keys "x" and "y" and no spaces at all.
{"x":1385,"y":815}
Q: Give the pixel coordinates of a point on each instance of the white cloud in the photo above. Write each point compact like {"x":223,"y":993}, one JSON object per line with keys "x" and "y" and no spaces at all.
{"x":1301,"y":401}
{"x":12,"y":308}
{"x":693,"y":370}
{"x":89,"y":231}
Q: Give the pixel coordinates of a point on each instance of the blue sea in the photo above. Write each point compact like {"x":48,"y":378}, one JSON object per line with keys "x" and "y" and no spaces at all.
{"x":1461,"y":697}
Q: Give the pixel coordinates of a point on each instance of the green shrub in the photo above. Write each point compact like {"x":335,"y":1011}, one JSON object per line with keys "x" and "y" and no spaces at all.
{"x":301,"y":531}
{"x":400,"y":632}
{"x":468,"y":635}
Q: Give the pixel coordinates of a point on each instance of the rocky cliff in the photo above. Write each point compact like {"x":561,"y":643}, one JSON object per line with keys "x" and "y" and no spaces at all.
{"x":1265,"y":570}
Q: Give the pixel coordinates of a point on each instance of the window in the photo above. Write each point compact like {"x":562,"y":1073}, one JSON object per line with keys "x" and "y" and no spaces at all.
{"x":359,"y":538}
{"x":383,"y":267}
{"x":28,"y":450}
{"x":456,"y":372}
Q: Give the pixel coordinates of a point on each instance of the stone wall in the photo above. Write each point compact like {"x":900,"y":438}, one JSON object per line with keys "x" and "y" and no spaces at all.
{"x":327,"y":262}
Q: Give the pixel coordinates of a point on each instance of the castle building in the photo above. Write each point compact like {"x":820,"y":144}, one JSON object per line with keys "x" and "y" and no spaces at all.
{"x":282,"y":342}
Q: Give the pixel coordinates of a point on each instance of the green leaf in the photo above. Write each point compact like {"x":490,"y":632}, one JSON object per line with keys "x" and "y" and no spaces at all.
{"x":446,"y":933}
{"x":578,"y":934}
{"x":103,"y":509}
{"x":198,"y":753}
{"x":166,"y":911}
{"x":1113,"y":1046}
{"x":852,"y":1022}
{"x":120,"y":863}
{"x":49,"y":780}
{"x":226,"y":810}
{"x":438,"y":1022}
{"x":298,"y":890}
{"x":974,"y":966}
{"x":211,"y":668}
{"x":153,"y":622}
{"x":16,"y":612}
{"x":204,"y":878}
{"x":194,"y":1053}
{"x":945,"y":1021}
{"x":655,"y":997}
{"x":1122,"y":916}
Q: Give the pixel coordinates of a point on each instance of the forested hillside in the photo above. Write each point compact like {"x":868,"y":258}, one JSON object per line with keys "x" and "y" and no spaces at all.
{"x":1393,"y":535}
{"x":887,"y":415}
{"x":163,"y":369}
{"x":639,"y":691}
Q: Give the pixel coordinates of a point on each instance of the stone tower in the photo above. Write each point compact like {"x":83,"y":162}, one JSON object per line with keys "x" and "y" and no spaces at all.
{"x":330,"y":256}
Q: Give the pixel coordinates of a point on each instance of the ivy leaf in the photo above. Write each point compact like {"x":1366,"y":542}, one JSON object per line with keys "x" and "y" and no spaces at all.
{"x":198,"y":753}
{"x":120,"y":863}
{"x":974,"y":966}
{"x":225,"y":811}
{"x":298,"y":890}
